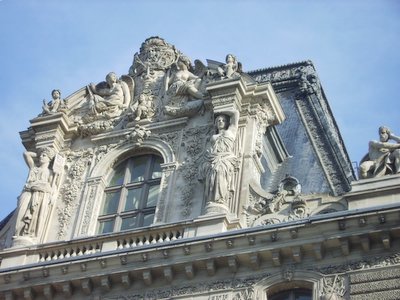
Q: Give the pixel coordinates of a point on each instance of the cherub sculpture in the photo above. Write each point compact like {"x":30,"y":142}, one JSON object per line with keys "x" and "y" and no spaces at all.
{"x":232,"y":67}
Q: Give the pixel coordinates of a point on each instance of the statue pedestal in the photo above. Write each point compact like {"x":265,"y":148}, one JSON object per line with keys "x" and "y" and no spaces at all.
{"x":226,"y":94}
{"x":212,"y":208}
{"x":23,"y":241}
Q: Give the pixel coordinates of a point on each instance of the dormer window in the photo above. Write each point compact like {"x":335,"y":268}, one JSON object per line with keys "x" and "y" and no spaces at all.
{"x":131,"y":195}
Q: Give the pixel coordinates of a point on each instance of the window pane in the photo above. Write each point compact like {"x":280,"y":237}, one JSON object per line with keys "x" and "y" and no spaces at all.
{"x":294,"y":294}
{"x":106,"y":226}
{"x":111,"y":203}
{"x":133,"y":198}
{"x":285,"y":295}
{"x":303,"y":295}
{"x":118,"y":177}
{"x":156,"y":168}
{"x":148,"y":220}
{"x":153,"y":195}
{"x":138,"y":168}
{"x":128,"y":223}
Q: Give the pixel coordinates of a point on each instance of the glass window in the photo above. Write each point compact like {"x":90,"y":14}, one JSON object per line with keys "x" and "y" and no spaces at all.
{"x":294,"y":294}
{"x":131,"y":195}
{"x":106,"y":226}
{"x":138,"y":168}
{"x":111,"y":203}
{"x":133,"y":199}
{"x":153,"y":195}
{"x":118,"y":177}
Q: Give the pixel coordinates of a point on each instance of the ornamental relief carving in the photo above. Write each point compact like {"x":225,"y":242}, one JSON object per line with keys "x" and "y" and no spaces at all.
{"x":87,"y":218}
{"x":193,"y":142}
{"x":317,"y":135}
{"x":264,"y":117}
{"x":77,"y":164}
{"x":300,"y":73}
{"x":243,"y":284}
{"x":173,"y":139}
{"x":287,"y":204}
{"x":361,"y":264}
{"x":162,"y":84}
{"x":333,"y":288}
{"x":166,"y":177}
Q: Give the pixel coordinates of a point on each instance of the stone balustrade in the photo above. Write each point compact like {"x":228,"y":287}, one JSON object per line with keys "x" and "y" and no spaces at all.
{"x":87,"y":247}
{"x":147,"y":238}
{"x":67,"y":252}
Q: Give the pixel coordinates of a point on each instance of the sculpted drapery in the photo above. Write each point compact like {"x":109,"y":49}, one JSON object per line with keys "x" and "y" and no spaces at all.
{"x":217,"y":169}
{"x":34,"y":201}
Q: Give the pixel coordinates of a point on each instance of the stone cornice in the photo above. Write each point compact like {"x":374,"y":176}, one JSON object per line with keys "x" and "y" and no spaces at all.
{"x":307,"y":242}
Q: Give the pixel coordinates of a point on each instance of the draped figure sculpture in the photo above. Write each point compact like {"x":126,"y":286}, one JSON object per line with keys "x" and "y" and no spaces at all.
{"x":34,"y":201}
{"x":110,"y":99}
{"x":56,"y":105}
{"x":383,"y":156}
{"x":183,"y":84}
{"x":220,"y":161}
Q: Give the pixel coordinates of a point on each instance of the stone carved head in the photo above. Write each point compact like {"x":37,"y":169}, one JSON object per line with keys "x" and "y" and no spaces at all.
{"x":111,"y":78}
{"x":46,"y":155}
{"x":221,"y":122}
{"x":230,"y":58}
{"x":56,"y":94}
{"x":384,"y":133}
{"x":185,"y":61}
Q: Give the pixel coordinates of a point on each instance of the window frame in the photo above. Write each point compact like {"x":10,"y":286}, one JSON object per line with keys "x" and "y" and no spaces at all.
{"x":152,"y":164}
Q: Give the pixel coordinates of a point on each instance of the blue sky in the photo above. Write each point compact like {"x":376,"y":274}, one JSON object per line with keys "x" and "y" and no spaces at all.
{"x":51,"y":44}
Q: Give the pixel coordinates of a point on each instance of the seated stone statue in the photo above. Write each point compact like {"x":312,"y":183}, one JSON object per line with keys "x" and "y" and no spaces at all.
{"x":183,"y":84}
{"x":383,"y":157}
{"x":232,"y":67}
{"x":144,"y":108}
{"x":109,"y":99}
{"x":54,"y":106}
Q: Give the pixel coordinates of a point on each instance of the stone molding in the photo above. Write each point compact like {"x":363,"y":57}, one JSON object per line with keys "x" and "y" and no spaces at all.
{"x":230,"y":251}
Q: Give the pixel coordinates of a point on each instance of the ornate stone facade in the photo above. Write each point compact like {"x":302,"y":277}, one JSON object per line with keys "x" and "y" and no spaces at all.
{"x":246,"y":190}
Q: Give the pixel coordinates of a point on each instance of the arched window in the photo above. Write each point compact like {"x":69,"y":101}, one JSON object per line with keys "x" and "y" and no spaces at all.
{"x":293,"y":294}
{"x":131,"y":195}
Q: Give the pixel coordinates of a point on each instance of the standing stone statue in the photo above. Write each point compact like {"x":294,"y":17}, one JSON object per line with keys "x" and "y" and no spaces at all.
{"x":34,"y":201}
{"x":383,"y":157}
{"x":217,"y":170}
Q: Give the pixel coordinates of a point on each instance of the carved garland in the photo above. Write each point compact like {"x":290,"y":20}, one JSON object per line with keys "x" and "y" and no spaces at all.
{"x":77,"y":163}
{"x":194,"y":141}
